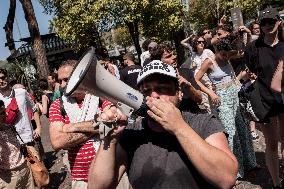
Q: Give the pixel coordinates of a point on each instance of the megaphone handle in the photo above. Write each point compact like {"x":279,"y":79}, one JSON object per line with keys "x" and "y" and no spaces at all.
{"x":104,"y":129}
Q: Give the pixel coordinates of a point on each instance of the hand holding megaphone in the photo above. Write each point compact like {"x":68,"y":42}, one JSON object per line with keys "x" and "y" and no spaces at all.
{"x":89,"y":76}
{"x":111,"y":123}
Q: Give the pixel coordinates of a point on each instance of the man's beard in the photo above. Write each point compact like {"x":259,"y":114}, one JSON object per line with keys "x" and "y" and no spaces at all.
{"x":6,"y":90}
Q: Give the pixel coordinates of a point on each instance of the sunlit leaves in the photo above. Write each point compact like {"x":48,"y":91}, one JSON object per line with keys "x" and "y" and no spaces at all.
{"x":77,"y":20}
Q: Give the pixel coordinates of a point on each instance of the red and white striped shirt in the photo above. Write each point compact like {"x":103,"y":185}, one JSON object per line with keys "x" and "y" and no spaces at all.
{"x":80,"y":157}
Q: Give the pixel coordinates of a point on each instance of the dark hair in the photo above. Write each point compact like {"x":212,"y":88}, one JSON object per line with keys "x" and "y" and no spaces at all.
{"x":157,"y":52}
{"x":68,"y":63}
{"x":129,"y":56}
{"x":280,"y":32}
{"x":194,"y":43}
{"x":145,"y":44}
{"x":225,"y":27}
{"x":3,"y":71}
{"x":252,"y":24}
{"x":224,"y":44}
{"x":43,"y":84}
{"x":200,"y":32}
{"x":54,"y":76}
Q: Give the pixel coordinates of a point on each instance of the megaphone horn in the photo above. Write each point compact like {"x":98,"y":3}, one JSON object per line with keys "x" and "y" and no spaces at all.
{"x":91,"y":77}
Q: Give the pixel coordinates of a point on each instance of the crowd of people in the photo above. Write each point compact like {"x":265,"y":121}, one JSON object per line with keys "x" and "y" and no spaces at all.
{"x":196,"y":134}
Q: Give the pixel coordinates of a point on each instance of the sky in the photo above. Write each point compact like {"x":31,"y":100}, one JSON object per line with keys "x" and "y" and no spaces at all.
{"x":23,"y":31}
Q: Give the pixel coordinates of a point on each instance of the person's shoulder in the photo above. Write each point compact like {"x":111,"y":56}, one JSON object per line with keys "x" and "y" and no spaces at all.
{"x":55,"y":104}
{"x":203,"y":124}
{"x":124,"y":70}
{"x":208,"y":51}
{"x":137,"y":66}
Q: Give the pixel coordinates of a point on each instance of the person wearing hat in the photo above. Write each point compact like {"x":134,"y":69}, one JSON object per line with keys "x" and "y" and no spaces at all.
{"x":262,"y":57}
{"x":167,"y":148}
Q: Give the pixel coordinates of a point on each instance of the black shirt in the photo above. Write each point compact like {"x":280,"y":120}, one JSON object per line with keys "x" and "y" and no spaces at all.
{"x":263,"y":59}
{"x":156,"y":160}
{"x":187,"y":104}
{"x":129,"y":75}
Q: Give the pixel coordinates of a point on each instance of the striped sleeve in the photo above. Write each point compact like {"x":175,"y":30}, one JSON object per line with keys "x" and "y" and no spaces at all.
{"x":105,"y":104}
{"x":54,"y":112}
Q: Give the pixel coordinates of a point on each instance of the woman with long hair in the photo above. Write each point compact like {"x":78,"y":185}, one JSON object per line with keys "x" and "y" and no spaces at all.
{"x":224,"y":95}
{"x":262,"y":58}
{"x":200,"y":53}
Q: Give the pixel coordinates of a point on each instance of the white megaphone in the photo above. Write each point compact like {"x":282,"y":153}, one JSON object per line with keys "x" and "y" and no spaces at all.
{"x":91,"y":77}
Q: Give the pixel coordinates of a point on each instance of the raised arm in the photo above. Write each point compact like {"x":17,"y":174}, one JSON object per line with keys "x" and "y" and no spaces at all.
{"x":110,"y":163}
{"x":193,"y":93}
{"x":185,"y":42}
{"x":205,"y":68}
{"x":211,"y":157}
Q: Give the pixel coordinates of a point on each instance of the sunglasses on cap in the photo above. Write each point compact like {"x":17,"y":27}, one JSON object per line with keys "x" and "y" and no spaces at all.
{"x":64,"y":79}
{"x":269,"y":21}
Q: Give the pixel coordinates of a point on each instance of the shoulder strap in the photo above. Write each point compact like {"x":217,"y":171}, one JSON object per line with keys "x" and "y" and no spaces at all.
{"x":14,"y":129}
{"x":62,"y":110}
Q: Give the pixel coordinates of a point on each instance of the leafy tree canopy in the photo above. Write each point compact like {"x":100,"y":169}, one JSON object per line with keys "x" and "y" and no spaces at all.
{"x":208,"y":12}
{"x":78,"y":20}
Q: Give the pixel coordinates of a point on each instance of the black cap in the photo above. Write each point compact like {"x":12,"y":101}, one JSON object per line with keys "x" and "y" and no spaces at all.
{"x":269,"y":13}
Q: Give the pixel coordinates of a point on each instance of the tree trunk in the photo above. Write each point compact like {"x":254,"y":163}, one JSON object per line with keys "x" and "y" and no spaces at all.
{"x":9,"y":27}
{"x":178,"y":37}
{"x":38,"y":48}
{"x":134,"y":33}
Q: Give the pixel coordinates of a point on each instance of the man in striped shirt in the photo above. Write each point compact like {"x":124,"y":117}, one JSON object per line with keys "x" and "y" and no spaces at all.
{"x":67,"y":132}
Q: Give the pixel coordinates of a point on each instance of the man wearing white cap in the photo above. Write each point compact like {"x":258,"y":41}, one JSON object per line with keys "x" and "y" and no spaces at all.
{"x":167,"y":149}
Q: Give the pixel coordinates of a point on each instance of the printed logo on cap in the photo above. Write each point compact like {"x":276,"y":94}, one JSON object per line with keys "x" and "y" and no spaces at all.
{"x":156,"y":67}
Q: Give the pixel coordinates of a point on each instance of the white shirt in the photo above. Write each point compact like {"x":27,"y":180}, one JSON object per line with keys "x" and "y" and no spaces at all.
{"x":197,"y":59}
{"x":23,"y":124}
{"x":144,"y":56}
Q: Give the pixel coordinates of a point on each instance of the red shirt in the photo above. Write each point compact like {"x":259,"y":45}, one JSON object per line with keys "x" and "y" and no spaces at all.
{"x":80,"y":157}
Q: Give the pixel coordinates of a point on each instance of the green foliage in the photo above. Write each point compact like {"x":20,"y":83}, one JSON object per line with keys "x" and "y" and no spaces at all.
{"x":208,"y":12}
{"x":122,"y":37}
{"x":23,"y":72}
{"x":79,"y":20}
{"x":161,"y":19}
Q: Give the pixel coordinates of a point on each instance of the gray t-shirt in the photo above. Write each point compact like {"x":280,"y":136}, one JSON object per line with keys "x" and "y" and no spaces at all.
{"x":156,"y":160}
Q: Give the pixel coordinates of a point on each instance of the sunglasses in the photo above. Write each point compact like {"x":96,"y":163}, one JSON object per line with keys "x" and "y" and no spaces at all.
{"x":200,"y":42}
{"x":269,"y":21}
{"x":64,"y":79}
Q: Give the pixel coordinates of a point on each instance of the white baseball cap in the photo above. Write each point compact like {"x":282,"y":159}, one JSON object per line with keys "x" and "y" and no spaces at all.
{"x":156,"y":67}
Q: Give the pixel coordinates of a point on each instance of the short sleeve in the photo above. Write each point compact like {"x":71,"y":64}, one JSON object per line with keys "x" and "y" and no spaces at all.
{"x":105,"y":104}
{"x":203,"y":124}
{"x":212,"y":126}
{"x":54,"y":112}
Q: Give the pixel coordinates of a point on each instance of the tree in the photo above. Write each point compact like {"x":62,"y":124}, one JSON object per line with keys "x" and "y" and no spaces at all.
{"x":122,"y":37}
{"x":75,"y":20}
{"x":38,"y":47}
{"x":9,"y":27}
{"x":210,"y":11}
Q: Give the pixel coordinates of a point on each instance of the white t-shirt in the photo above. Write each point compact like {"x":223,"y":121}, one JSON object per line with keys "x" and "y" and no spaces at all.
{"x":197,"y":59}
{"x":144,"y":56}
{"x":23,"y":124}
